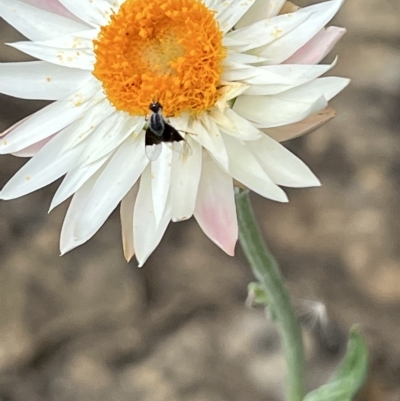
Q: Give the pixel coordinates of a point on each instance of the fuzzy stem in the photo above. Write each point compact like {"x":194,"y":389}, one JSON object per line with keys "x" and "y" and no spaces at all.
{"x":266,"y":270}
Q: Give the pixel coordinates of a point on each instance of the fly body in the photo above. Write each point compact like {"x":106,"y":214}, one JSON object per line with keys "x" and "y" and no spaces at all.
{"x":159,"y":132}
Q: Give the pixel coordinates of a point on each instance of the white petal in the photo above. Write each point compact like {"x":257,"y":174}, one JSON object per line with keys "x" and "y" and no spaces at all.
{"x":261,"y":9}
{"x":117,"y":178}
{"x":74,"y":180}
{"x":60,"y":155}
{"x":147,"y":235}
{"x":286,"y":45}
{"x":264,"y":32}
{"x":230,"y":90}
{"x":50,"y":119}
{"x":241,"y":58}
{"x":292,"y":105}
{"x":115,"y":3}
{"x":77,"y":40}
{"x":110,"y":133}
{"x":278,"y":79}
{"x":272,"y":111}
{"x":239,"y":127}
{"x":215,"y":207}
{"x":185,"y":177}
{"x":95,"y":13}
{"x":82,"y":129}
{"x":244,"y":167}
{"x":33,"y":149}
{"x":73,"y":51}
{"x":49,"y":164}
{"x":221,"y":119}
{"x":126,"y":216}
{"x":229,"y":12}
{"x":53,"y":6}
{"x":328,"y":87}
{"x":79,"y":201}
{"x":236,"y":72}
{"x":309,"y":73}
{"x":207,"y":134}
{"x":160,"y":181}
{"x":35,"y":23}
{"x":282,"y":166}
{"x":40,"y":80}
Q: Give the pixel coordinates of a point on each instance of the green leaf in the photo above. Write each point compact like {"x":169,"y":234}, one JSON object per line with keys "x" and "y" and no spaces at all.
{"x":350,"y":375}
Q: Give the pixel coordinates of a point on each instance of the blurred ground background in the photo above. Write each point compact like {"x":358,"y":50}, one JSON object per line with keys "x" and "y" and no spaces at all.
{"x":87,"y":326}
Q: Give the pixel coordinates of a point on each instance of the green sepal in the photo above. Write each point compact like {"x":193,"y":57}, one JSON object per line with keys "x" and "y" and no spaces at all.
{"x":257,"y":294}
{"x":350,"y":375}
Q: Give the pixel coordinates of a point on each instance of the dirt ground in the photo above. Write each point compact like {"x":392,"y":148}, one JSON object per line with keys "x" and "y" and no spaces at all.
{"x":88,"y":326}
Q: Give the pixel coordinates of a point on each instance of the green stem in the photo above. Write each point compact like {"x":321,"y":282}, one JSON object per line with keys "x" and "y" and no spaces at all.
{"x":266,"y":270}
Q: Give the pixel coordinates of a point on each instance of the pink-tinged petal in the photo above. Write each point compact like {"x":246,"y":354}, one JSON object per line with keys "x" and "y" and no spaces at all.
{"x":53,"y":6}
{"x":215,"y":207}
{"x":309,"y":124}
{"x":318,"y":47}
{"x":33,"y":149}
{"x":285,"y":46}
{"x":126,"y":215}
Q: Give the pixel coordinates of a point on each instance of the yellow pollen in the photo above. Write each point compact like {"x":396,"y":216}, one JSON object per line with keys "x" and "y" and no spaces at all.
{"x":168,"y":51}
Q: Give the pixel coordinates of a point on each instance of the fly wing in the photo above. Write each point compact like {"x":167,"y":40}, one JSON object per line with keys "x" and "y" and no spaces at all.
{"x":187,"y":150}
{"x":153,"y":151}
{"x":181,"y":147}
{"x":176,"y":141}
{"x":170,"y":134}
{"x":153,"y":145}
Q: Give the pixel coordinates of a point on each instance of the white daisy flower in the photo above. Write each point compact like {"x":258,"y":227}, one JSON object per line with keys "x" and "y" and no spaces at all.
{"x":229,"y":76}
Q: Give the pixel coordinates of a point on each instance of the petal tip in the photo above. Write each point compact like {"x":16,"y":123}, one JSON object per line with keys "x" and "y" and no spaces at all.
{"x":5,"y":195}
{"x":311,"y":181}
{"x":128,"y":256}
{"x":230,"y":250}
{"x":283,"y":199}
{"x":317,"y":182}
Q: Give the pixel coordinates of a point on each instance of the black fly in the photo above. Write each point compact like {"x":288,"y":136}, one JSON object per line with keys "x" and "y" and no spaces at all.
{"x":160,"y":131}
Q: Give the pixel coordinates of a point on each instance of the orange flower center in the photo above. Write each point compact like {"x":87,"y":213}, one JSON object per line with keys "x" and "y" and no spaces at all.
{"x":168,"y":51}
